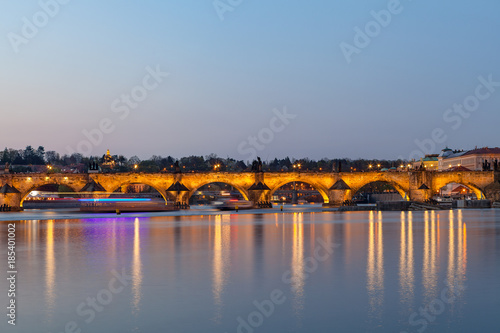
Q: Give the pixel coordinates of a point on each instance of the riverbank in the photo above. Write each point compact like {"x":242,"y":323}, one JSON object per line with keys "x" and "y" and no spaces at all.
{"x":417,"y":206}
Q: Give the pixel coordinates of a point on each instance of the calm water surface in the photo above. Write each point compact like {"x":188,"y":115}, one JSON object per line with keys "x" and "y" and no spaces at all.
{"x":279,"y":272}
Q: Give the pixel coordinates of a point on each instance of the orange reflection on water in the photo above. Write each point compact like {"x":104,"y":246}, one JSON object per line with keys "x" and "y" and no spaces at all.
{"x":457,"y":253}
{"x":406,"y":260}
{"x":298,"y":275}
{"x":464,"y":248}
{"x":221,"y":260}
{"x":31,"y":237}
{"x":375,"y":265}
{"x":429,"y":269}
{"x":50,"y":269}
{"x":451,"y":249}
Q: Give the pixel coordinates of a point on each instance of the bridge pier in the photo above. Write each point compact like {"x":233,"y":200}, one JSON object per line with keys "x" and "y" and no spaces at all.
{"x":10,"y":197}
{"x":258,"y":191}
{"x":182,"y":198}
{"x":337,"y":197}
{"x":259,"y":196}
{"x":419,"y":195}
{"x":421,"y":183}
{"x":12,"y":200}
{"x":171,"y":197}
{"x":492,"y":191}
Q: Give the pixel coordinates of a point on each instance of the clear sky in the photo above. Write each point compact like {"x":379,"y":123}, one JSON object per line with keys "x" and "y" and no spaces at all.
{"x":227,"y":79}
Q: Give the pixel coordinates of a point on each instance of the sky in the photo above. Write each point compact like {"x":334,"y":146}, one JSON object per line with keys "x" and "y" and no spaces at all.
{"x":240,"y":78}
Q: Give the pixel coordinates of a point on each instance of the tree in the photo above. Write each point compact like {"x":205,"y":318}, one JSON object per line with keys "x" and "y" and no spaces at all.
{"x":121,"y":160}
{"x":134,"y":160}
{"x":148,"y":166}
{"x":241,"y":166}
{"x":39,"y":158}
{"x":28,"y":155}
{"x":52,"y":157}
{"x":16,"y":156}
{"x":6,"y":156}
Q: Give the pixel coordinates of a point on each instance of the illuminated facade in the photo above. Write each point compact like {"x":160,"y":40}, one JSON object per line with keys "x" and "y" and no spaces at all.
{"x":429,"y":162}
{"x":468,"y":160}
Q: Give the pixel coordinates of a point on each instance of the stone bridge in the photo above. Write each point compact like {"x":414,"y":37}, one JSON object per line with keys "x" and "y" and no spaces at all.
{"x":260,"y":186}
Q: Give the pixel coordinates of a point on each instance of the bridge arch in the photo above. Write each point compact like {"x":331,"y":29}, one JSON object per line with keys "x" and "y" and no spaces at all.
{"x":39,"y":184}
{"x":196,"y":186}
{"x":398,"y":187}
{"x":126,"y":183}
{"x":394,"y":185}
{"x":322,"y":191}
{"x":477,"y":191}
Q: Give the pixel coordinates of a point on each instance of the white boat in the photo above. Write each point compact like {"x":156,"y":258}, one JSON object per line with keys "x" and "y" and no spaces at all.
{"x":444,"y":199}
{"x":233,"y":204}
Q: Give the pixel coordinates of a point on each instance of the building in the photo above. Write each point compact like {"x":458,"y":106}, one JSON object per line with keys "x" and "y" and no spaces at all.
{"x":460,"y":160}
{"x":428,"y":162}
{"x":467,"y":160}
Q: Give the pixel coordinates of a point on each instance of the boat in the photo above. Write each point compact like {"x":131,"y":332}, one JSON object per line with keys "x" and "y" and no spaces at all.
{"x":233,"y":204}
{"x":112,"y":205}
{"x":443,"y":199}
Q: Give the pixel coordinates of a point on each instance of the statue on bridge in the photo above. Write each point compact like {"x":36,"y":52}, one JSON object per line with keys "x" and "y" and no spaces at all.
{"x":487,"y":165}
{"x":257,"y":165}
{"x":177,"y":168}
{"x":496,"y":165}
{"x":93,"y":166}
{"x":339,"y":167}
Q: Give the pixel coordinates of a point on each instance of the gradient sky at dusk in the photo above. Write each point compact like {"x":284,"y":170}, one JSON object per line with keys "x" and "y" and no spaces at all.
{"x":227,"y":76}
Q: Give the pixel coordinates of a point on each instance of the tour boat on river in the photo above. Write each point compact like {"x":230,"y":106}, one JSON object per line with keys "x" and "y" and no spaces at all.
{"x":111,"y":205}
{"x":233,"y":204}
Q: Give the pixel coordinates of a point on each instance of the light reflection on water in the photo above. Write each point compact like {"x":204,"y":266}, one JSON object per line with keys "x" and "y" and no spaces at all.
{"x":375,"y":266}
{"x":406,"y":263}
{"x":136,"y":268}
{"x":297,"y":263}
{"x":200,"y":273}
{"x":221,"y":261}
{"x":50,"y":271}
{"x":430,"y":254}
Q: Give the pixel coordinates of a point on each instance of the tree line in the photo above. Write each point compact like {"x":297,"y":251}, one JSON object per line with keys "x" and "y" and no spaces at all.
{"x":22,"y":159}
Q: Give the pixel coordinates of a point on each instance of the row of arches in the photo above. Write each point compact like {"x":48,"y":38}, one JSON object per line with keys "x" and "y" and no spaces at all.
{"x":305,"y":192}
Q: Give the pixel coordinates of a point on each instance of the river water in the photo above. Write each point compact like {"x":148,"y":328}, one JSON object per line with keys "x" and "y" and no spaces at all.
{"x":267,"y":271}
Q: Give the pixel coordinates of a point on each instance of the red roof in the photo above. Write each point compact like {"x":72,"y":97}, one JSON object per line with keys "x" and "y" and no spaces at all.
{"x":460,"y":189}
{"x":482,"y":151}
{"x":458,"y":168}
